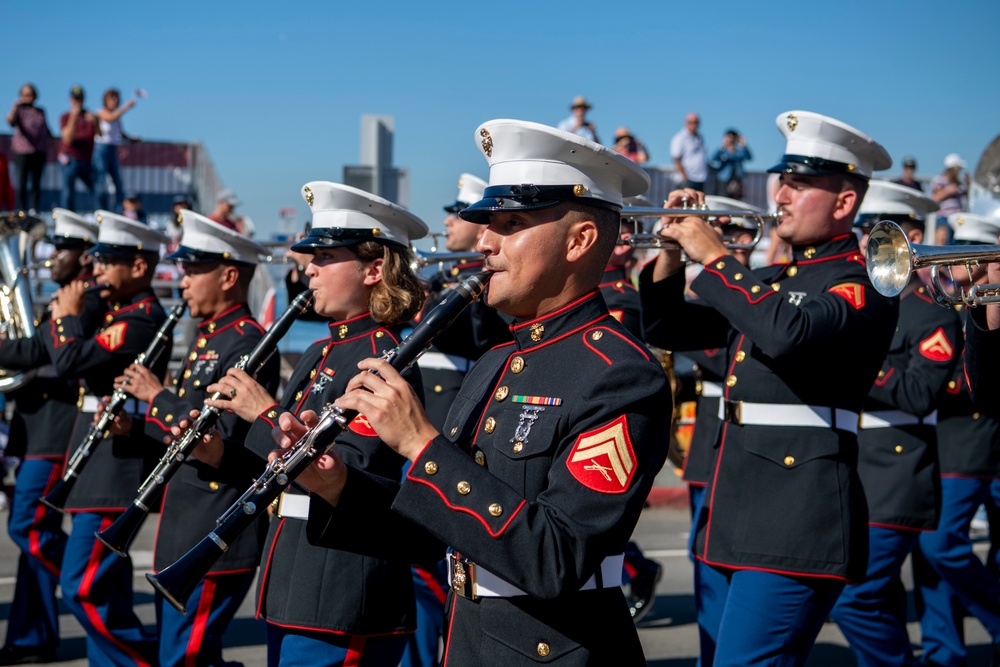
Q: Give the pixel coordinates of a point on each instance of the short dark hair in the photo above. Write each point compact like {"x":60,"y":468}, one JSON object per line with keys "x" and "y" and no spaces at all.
{"x":855,"y":183}
{"x":608,"y":224}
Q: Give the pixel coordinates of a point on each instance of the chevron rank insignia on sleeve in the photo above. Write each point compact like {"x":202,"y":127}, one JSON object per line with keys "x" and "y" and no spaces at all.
{"x":854,"y":293}
{"x":603,"y":459}
{"x":113,"y":337}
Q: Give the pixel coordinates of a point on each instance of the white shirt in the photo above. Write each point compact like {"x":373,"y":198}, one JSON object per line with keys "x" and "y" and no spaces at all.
{"x":690,"y":149}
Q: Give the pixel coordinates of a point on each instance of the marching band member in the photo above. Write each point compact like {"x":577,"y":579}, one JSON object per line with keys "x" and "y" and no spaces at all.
{"x":217,"y":265}
{"x":96,"y":583}
{"x":897,"y":440}
{"x":551,"y":447}
{"x":39,"y":432}
{"x":785,"y":517}
{"x":326,"y":607}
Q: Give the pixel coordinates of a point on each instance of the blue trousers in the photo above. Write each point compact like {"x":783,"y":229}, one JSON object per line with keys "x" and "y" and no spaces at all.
{"x":868,"y":613}
{"x":710,"y":587}
{"x":97,"y":588}
{"x":71,"y":171}
{"x":287,"y":647}
{"x":37,"y":532}
{"x":431,"y":588}
{"x":771,"y":619}
{"x":106,"y":164}
{"x":195,"y":639}
{"x":948,"y":568}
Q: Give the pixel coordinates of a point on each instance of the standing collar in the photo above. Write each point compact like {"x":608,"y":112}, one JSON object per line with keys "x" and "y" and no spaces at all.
{"x":551,"y":326}
{"x":838,"y":246}
{"x":224,"y":319}
{"x":344,"y":330}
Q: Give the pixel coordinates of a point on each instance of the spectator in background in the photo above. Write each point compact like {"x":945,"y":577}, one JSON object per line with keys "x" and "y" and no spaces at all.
{"x":578,"y":123}
{"x":950,"y":190}
{"x":78,"y":127}
{"x":30,"y":145}
{"x":225,"y":211}
{"x":109,"y":138}
{"x":728,"y":162}
{"x":132,"y":208}
{"x":909,"y":170}
{"x":629,"y":146}
{"x":687,"y":148}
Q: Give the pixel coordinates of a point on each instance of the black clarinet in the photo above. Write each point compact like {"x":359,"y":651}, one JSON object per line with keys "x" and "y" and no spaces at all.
{"x":56,"y":498}
{"x":119,"y":535}
{"x":177,"y":582}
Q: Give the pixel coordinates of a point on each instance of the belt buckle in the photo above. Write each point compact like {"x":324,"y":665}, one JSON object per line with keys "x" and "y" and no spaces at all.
{"x":463,"y":577}
{"x":733,"y":411}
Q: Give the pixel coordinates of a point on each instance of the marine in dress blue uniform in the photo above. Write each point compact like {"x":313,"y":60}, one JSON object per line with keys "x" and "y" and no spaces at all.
{"x":331,"y":607}
{"x":898,"y":461}
{"x":45,"y":409}
{"x":553,"y":442}
{"x":96,"y":583}
{"x":217,"y":265}
{"x":969,"y":433}
{"x":443,"y":369}
{"x":785,"y":518}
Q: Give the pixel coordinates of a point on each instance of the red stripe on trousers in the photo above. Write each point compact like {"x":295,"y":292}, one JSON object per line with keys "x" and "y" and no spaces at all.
{"x":92,"y":614}
{"x":200,"y":622}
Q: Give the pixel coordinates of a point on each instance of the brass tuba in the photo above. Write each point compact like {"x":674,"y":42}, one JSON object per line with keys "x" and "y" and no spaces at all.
{"x":18,"y":232}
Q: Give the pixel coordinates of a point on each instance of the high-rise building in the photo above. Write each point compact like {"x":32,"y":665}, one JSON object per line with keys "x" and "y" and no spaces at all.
{"x":376,"y":174}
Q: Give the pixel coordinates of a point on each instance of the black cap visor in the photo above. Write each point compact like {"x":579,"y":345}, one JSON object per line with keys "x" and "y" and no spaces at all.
{"x":68,"y":242}
{"x":811,"y":166}
{"x":526,"y":197}
{"x":195,"y":256}
{"x":113,"y":250}
{"x":338,"y":237}
{"x":869,"y":220}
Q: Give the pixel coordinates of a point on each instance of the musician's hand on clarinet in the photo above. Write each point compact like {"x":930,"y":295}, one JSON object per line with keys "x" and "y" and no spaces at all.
{"x":209,"y":449}
{"x":122,"y":425}
{"x":391,"y":406}
{"x":326,"y":475}
{"x":140,"y":382}
{"x":241,"y":394}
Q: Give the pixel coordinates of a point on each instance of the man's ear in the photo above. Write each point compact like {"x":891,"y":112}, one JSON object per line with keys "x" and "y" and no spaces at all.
{"x":844,"y":207}
{"x":580,"y":239}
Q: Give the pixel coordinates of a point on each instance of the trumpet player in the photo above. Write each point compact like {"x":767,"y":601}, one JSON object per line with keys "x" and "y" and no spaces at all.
{"x":551,"y":447}
{"x":45,"y":409}
{"x":969,"y":431}
{"x":326,"y":607}
{"x":785,"y":521}
{"x":898,"y":443}
{"x":96,"y":583}
{"x":217,"y":265}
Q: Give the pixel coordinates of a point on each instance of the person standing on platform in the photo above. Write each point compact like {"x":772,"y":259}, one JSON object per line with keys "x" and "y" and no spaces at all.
{"x":29,"y":145}
{"x":78,"y":128}
{"x":553,"y":442}
{"x":898,"y":445}
{"x":687,"y":148}
{"x":43,"y":417}
{"x":785,"y":520}
{"x":96,"y":583}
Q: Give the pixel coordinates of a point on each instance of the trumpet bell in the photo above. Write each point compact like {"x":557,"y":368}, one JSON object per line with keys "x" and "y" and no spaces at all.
{"x":888,"y":258}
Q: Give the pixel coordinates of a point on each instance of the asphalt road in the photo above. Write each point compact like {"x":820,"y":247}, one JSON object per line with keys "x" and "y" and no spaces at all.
{"x":668,"y":632}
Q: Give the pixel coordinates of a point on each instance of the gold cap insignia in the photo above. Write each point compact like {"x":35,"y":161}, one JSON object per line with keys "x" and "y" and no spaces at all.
{"x":487,"y":142}
{"x":578,"y":190}
{"x":100,"y":219}
{"x":851,"y":167}
{"x":793,"y":122}
{"x":376,"y":231}
{"x":461,"y":182}
{"x":179,"y":219}
{"x":310,"y":197}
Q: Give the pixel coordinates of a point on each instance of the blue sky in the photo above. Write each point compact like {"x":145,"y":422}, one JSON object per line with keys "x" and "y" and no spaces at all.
{"x":276,"y":90}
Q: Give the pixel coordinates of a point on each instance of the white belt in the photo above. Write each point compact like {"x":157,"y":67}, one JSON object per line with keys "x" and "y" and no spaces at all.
{"x":445,"y":362}
{"x":293,"y":506}
{"x":132,"y":406}
{"x":887,"y":418}
{"x":474,"y":581}
{"x":778,"y":414}
{"x":711,"y":390}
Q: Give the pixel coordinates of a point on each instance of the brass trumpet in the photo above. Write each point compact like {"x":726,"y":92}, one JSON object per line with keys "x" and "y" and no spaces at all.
{"x":650,"y":241}
{"x":891,"y":259}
